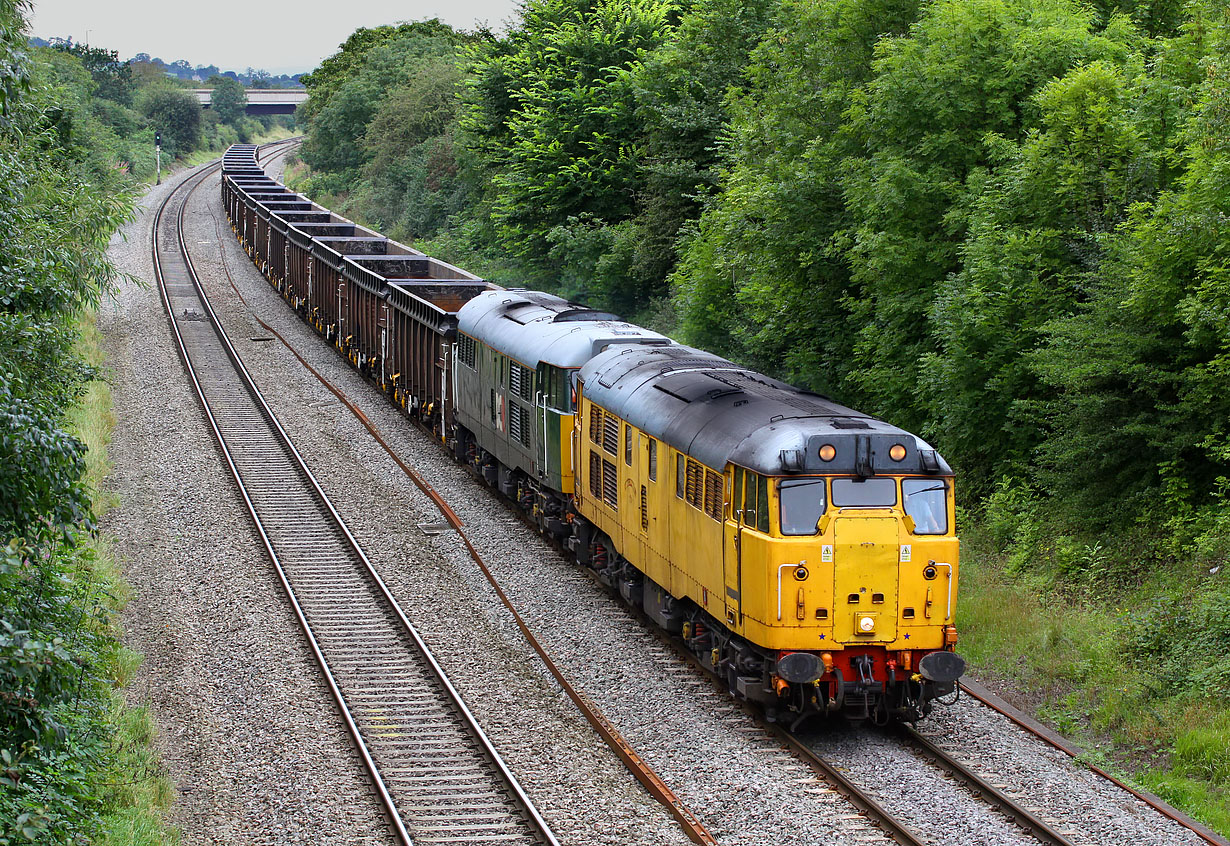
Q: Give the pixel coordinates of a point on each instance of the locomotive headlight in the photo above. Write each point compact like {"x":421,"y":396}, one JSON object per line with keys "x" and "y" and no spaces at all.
{"x":896,"y":452}
{"x":867,"y":625}
{"x":828,"y":452}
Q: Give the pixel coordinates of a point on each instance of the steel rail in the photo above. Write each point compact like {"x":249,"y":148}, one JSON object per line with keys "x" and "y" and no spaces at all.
{"x":1054,"y":739}
{"x":385,"y":798}
{"x":1006,"y":805}
{"x":527,"y":813}
{"x":876,"y":813}
{"x":894,"y":828}
{"x":691,"y":825}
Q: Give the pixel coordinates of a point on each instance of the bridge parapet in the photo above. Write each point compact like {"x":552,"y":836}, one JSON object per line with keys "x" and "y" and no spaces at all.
{"x":263,"y":101}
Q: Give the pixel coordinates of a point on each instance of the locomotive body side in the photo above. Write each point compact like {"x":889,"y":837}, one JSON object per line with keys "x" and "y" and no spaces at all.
{"x":517,"y":352}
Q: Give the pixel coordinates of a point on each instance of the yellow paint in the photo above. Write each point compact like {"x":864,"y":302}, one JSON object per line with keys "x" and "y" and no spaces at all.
{"x":865,"y":554}
{"x":567,"y":479}
{"x":732,"y":570}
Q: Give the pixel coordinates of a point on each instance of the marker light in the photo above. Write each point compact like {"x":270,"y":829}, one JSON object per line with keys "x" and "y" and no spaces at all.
{"x":867,"y":624}
{"x":828,"y":452}
{"x":897,"y":452}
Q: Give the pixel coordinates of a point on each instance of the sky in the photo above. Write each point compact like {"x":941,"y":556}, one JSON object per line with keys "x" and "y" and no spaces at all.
{"x":279,"y":36}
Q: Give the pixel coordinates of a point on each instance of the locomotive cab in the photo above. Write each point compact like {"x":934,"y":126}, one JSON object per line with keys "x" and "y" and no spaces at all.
{"x":849,"y":584}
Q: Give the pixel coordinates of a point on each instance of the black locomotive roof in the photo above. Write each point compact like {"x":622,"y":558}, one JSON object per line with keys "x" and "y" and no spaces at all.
{"x":718,"y":413}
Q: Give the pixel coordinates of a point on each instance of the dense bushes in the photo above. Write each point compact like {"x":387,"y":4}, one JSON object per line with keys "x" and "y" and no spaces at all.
{"x":176,"y":113}
{"x":998,"y":223}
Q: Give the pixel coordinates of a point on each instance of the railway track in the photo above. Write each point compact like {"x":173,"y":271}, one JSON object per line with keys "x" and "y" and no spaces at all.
{"x":864,"y":800}
{"x":1026,"y":821}
{"x":635,"y":764}
{"x":437,"y":776}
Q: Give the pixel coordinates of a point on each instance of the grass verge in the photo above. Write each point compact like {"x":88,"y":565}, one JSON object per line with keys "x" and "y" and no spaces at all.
{"x":1123,"y":666}
{"x":136,"y":792}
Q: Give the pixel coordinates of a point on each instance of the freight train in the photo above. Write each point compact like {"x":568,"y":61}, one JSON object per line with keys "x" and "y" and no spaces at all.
{"x":804,"y":551}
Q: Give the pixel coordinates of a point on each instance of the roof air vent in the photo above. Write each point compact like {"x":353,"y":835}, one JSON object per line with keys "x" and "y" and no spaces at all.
{"x":571,"y":315}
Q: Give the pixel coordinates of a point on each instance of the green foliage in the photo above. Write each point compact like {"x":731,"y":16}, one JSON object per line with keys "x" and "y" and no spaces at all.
{"x":1138,"y":374}
{"x":51,"y":721}
{"x":764,"y":280}
{"x":932,"y":118}
{"x":1035,"y":243}
{"x":682,"y":90}
{"x":551,"y":116}
{"x":61,"y":198}
{"x":42,"y":467}
{"x":350,"y":58}
{"x":1182,"y":637}
{"x":174,"y":112}
{"x":228,"y":98}
{"x":349,"y":88}
{"x":410,"y":184}
{"x":14,"y":72}
{"x":112,"y":78}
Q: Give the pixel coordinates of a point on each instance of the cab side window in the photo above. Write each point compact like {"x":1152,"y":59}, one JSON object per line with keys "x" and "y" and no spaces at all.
{"x":736,"y":494}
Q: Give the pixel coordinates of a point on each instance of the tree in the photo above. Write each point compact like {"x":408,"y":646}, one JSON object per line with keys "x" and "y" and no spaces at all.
{"x":410,"y":184}
{"x":1036,"y":246}
{"x":228,"y":99}
{"x":552,"y":119}
{"x":765,"y":278}
{"x":176,"y":113}
{"x":259,"y":78}
{"x":1139,"y":408}
{"x":347,"y":91}
{"x":682,"y":93}
{"x":931,"y":120}
{"x":334,"y":71}
{"x":112,"y":78}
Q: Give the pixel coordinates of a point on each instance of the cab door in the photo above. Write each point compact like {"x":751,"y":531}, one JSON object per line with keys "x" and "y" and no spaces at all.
{"x":732,"y":551}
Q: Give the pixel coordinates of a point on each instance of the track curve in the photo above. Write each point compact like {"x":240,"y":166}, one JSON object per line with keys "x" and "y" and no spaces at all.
{"x":434,"y":771}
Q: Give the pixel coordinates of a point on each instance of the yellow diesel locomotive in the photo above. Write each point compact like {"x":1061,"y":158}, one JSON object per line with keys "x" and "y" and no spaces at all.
{"x":804,"y":551}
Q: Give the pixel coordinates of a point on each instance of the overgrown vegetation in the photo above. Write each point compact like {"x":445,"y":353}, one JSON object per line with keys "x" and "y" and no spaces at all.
{"x":1000,"y":223}
{"x":110,"y":110}
{"x":75,"y":764}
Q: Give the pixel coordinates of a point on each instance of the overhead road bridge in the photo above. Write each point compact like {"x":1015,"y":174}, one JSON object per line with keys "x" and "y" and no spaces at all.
{"x":263,"y":101}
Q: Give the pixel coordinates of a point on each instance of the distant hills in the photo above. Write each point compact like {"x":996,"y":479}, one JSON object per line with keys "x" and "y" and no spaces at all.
{"x":181,"y":69}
